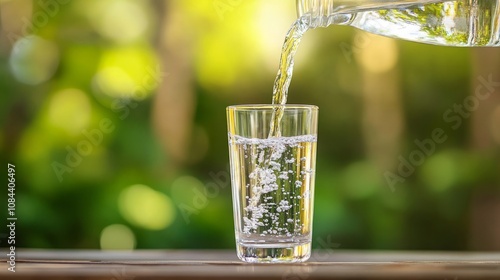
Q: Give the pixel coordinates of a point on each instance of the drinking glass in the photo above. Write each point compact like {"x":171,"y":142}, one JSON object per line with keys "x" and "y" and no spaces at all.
{"x":272,"y":180}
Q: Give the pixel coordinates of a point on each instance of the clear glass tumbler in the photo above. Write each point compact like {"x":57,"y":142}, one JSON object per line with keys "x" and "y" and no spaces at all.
{"x":272,"y":179}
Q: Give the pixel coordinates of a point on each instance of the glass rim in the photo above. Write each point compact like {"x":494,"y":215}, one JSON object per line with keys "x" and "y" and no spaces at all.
{"x":254,"y":107}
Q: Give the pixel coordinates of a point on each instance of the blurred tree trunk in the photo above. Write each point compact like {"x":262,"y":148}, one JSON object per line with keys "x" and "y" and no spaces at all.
{"x":383,"y":122}
{"x":485,"y":205}
{"x":174,"y":104}
{"x":382,"y":118}
{"x":11,"y":30}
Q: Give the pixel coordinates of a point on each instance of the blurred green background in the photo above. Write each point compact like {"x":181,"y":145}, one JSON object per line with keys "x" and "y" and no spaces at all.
{"x":113,"y":112}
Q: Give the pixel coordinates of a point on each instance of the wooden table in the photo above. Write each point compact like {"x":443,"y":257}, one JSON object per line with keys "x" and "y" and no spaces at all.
{"x":187,"y":264}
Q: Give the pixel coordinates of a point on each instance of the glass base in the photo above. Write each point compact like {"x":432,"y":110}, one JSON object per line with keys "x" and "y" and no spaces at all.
{"x":274,"y":253}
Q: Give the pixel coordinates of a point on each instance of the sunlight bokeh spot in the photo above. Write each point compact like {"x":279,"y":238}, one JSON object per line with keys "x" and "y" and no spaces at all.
{"x":70,"y":109}
{"x":115,"y":82}
{"x":440,"y":172}
{"x":377,"y":54}
{"x":222,"y":61}
{"x":270,"y":38}
{"x":144,"y":207}
{"x":121,"y":21}
{"x":218,"y":67}
{"x":33,"y":60}
{"x":117,"y":237}
{"x":128,"y":73}
{"x":116,"y":23}
{"x":213,"y":12}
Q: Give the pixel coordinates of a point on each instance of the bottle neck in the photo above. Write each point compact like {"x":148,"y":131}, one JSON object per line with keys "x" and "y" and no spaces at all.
{"x":322,"y":13}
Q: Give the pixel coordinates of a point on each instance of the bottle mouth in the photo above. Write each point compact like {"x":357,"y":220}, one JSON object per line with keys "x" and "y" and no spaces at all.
{"x":337,"y":19}
{"x":314,"y":21}
{"x":321,"y":13}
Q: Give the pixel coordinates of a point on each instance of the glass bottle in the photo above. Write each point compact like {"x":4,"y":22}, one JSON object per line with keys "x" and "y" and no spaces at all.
{"x":463,"y":23}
